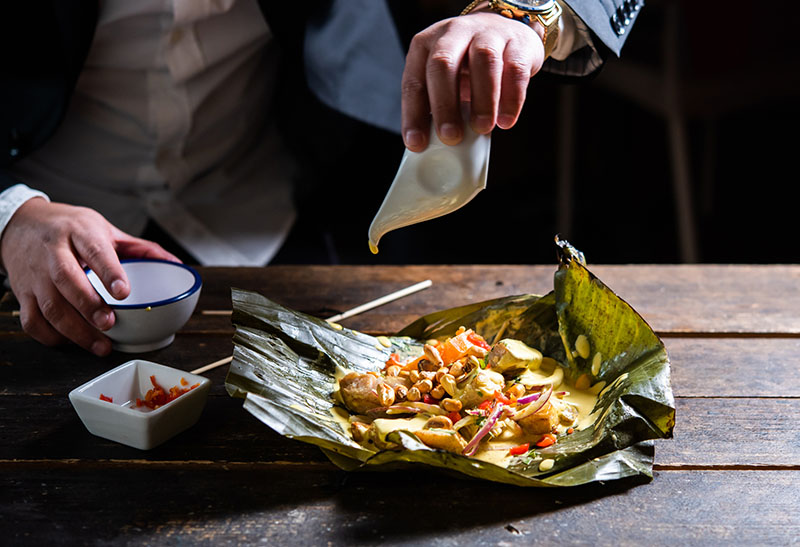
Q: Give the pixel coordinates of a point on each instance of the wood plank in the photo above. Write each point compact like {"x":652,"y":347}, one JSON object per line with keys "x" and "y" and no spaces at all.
{"x":27,"y":367}
{"x":674,"y":299}
{"x":709,"y":433}
{"x":734,"y":367}
{"x":317,"y":505}
{"x":733,"y":432}
{"x":701,"y":367}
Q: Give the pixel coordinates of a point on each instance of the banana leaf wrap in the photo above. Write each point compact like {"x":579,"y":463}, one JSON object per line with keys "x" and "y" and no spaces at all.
{"x":285,"y":361}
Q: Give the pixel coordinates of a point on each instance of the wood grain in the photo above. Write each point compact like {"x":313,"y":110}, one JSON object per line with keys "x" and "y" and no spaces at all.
{"x":731,"y":474}
{"x":684,"y":299}
{"x":709,"y":433}
{"x":673,"y":299}
{"x":319,"y":506}
{"x":701,"y":367}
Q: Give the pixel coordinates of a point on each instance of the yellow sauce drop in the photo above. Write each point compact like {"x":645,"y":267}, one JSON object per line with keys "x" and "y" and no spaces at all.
{"x":373,"y":248}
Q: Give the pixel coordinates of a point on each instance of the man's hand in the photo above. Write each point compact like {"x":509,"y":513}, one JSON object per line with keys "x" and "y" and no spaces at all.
{"x":483,"y":58}
{"x":44,"y":249}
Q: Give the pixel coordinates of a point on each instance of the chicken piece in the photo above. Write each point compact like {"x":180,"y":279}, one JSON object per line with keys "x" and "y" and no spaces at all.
{"x":540,"y":422}
{"x":509,"y":356}
{"x":363,"y":392}
{"x":444,"y":439}
{"x":567,"y":413}
{"x":481,"y":388}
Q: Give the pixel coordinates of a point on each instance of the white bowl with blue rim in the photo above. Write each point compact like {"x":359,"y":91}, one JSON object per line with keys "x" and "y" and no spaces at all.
{"x":162,"y":299}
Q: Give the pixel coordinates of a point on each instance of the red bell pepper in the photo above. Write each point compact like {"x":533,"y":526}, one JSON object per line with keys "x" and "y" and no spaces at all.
{"x":546,"y":440}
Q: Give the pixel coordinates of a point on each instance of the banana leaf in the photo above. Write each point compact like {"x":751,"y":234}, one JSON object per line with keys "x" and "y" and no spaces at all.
{"x":285,"y":361}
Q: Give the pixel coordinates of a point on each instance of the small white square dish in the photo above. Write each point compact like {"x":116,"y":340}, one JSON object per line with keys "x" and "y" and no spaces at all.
{"x":113,"y":405}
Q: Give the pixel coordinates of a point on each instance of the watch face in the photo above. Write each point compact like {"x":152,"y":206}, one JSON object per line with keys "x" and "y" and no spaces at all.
{"x":531,"y":5}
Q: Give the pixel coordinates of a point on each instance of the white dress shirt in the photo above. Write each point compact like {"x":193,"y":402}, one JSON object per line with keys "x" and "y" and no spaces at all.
{"x":173,"y":108}
{"x":170,"y":120}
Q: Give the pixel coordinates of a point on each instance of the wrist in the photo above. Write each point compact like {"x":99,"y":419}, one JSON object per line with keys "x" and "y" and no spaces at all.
{"x":542,"y":16}
{"x":11,"y":200}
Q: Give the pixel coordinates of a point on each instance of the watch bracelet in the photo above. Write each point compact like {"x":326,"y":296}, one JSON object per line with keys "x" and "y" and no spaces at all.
{"x":550,"y":35}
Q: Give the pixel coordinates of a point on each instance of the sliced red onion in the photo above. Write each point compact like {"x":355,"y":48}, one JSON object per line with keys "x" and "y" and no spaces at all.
{"x":535,"y":396}
{"x":529,"y":398}
{"x":535,"y":406}
{"x":472,"y":446}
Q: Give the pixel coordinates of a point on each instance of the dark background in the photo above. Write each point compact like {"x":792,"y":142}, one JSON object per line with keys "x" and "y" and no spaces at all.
{"x":737,"y":98}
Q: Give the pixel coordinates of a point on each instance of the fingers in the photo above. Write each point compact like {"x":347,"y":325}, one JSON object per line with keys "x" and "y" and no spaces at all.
{"x":521,"y":60}
{"x":498,"y":55}
{"x":34,"y":323}
{"x":98,"y":254}
{"x":75,"y":290}
{"x":430,"y":86}
{"x":486,"y":67}
{"x":50,"y":319}
{"x":442,"y":76}
{"x":415,"y":125}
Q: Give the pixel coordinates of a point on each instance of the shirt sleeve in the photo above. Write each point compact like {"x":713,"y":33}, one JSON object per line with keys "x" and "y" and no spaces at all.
{"x":575,"y":53}
{"x":12,"y":199}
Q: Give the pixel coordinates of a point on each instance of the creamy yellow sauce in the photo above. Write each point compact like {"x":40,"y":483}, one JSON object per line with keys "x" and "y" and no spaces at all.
{"x":385,"y":426}
{"x":495,"y":451}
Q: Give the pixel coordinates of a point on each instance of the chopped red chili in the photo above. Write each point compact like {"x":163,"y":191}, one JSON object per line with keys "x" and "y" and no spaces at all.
{"x":521,"y":449}
{"x":158,"y":396}
{"x":546,"y":440}
{"x":394,"y":359}
{"x":478,"y":340}
{"x":105,"y":398}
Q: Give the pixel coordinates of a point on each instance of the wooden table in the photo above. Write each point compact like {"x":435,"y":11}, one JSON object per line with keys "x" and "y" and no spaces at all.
{"x":730,"y":475}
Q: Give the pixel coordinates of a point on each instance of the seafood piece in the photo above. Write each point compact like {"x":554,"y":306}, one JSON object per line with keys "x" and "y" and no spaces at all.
{"x":510,"y":355}
{"x":444,"y":439}
{"x":540,"y":422}
{"x":567,"y":413}
{"x":361,"y":392}
{"x":481,"y":388}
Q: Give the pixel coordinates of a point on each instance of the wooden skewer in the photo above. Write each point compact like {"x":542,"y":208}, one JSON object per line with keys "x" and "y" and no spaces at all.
{"x":360,"y":309}
{"x":215,"y":364}
{"x":381,"y":301}
{"x":344,"y":315}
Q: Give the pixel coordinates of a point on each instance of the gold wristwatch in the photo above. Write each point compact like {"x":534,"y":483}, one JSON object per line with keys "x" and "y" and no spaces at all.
{"x":547,"y":12}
